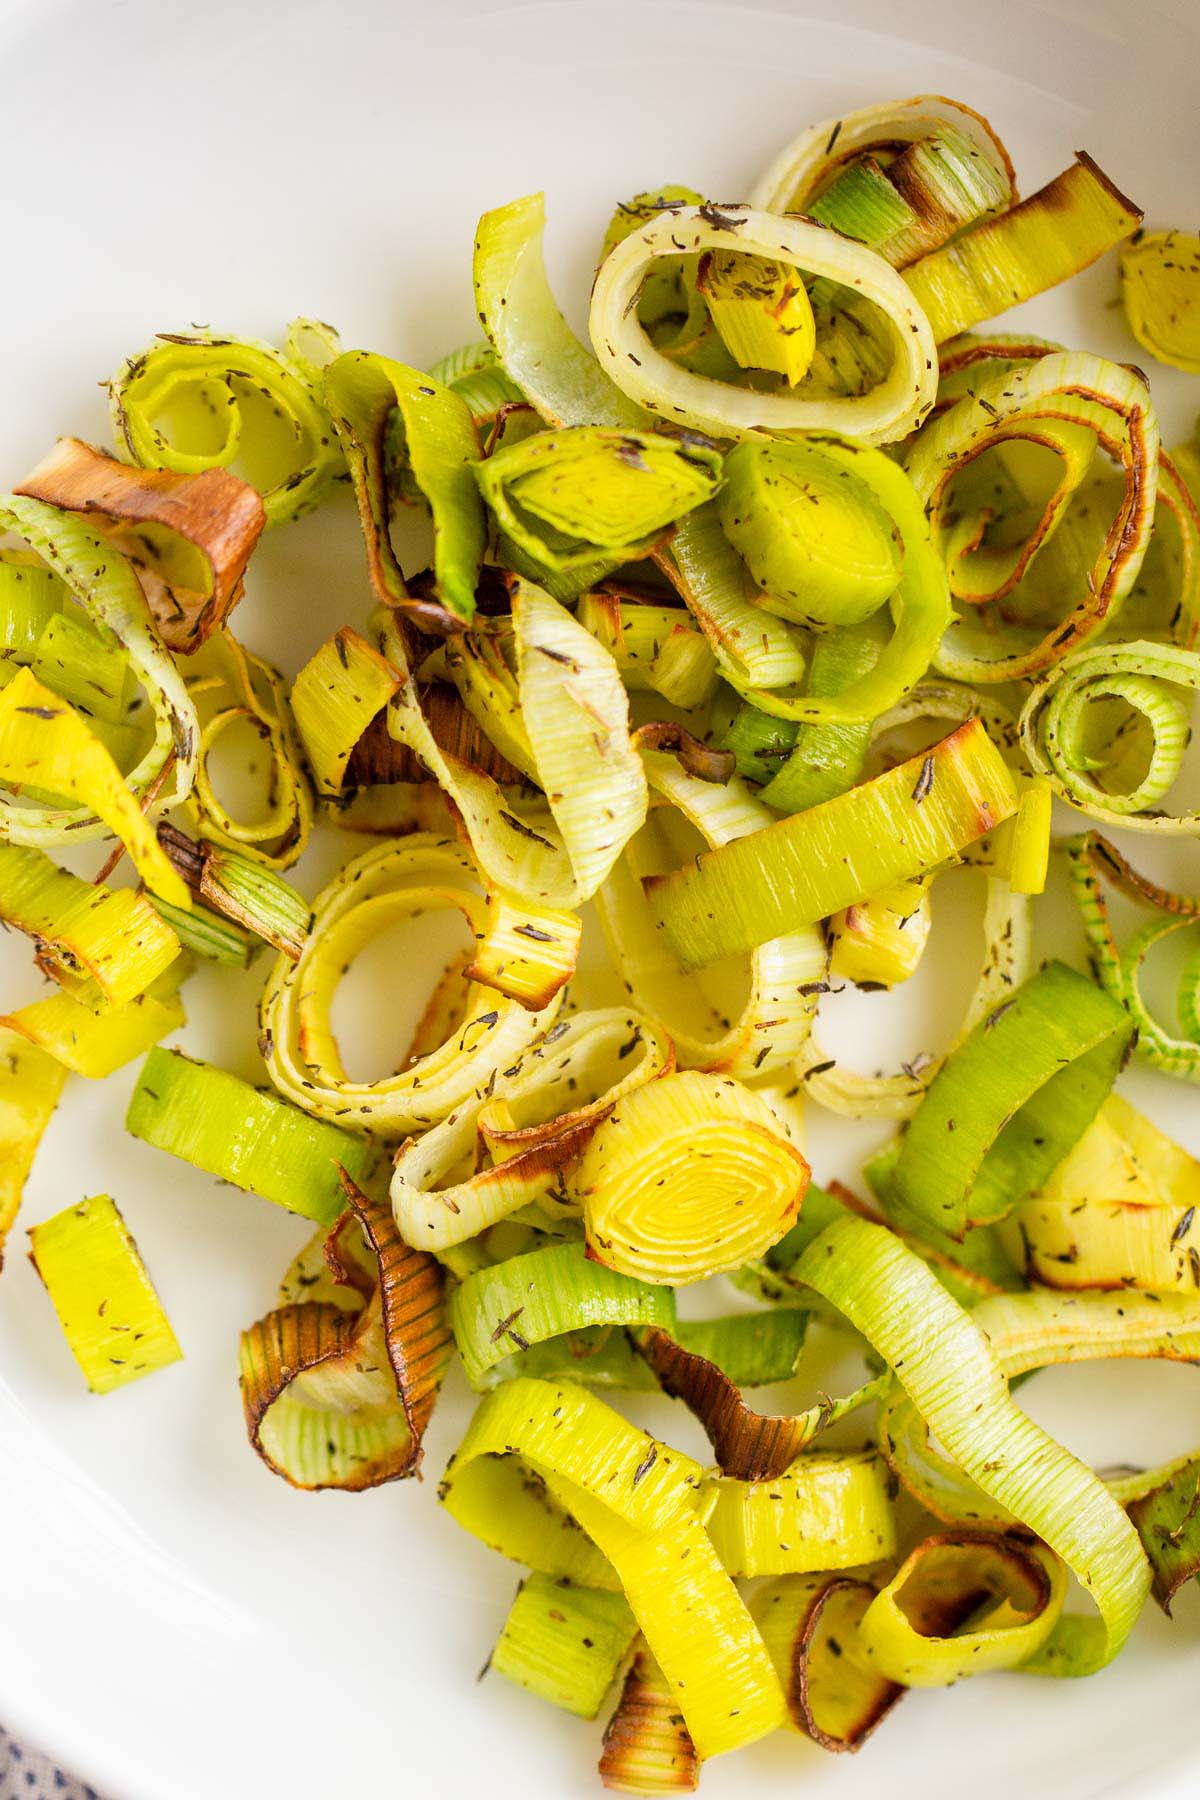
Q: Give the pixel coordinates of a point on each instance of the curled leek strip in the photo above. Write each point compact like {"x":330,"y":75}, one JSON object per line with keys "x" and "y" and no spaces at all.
{"x":396,"y":422}
{"x":1144,"y":678}
{"x":1069,"y":401}
{"x":31,"y":1081}
{"x":637,"y":1500}
{"x":1160,"y":291}
{"x":539,"y":1115}
{"x":690,"y":1176}
{"x":754,"y":649}
{"x":237,"y":691}
{"x":1012,"y":1100}
{"x":199,"y":401}
{"x":104,"y":585}
{"x":111,"y":1316}
{"x":340,"y":1397}
{"x":786,"y":974}
{"x":892,"y":409}
{"x":396,"y":881}
{"x":881,"y":942}
{"x":574,"y":505}
{"x":946,"y":1366}
{"x":808,"y":165}
{"x":810,"y":1624}
{"x":1119,"y":1211}
{"x":804,"y":868}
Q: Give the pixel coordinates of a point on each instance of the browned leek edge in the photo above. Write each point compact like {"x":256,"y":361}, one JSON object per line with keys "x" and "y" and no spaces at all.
{"x":695,"y":758}
{"x":647,"y":1747}
{"x":748,"y":1445}
{"x":378,"y":757}
{"x":814,"y":1654}
{"x":215,"y":511}
{"x":193,"y":859}
{"x":1168,"y":1523}
{"x":294,"y":1339}
{"x":1136,"y":886}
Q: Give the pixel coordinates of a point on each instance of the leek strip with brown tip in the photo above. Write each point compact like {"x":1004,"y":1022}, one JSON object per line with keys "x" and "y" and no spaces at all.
{"x":810,"y":1625}
{"x":647,"y":1747}
{"x":252,"y":897}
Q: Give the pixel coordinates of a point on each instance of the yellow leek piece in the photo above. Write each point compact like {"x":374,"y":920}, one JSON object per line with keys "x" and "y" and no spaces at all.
{"x":97,"y":1044}
{"x":829,"y":1510}
{"x":1023,"y":842}
{"x":761,"y":310}
{"x":334,"y":698}
{"x":30,"y":1084}
{"x":689,"y":1176}
{"x":1160,"y":290}
{"x":106,"y":1304}
{"x":810,"y":1625}
{"x":103,"y":945}
{"x":45,"y":743}
{"x":880,"y":942}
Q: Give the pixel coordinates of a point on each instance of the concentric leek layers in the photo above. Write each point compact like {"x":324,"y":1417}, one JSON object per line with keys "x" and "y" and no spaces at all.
{"x":687,"y":1177}
{"x":106,"y":1304}
{"x":943,"y":1362}
{"x":647,"y":1747}
{"x":1160,"y":290}
{"x":889,"y":411}
{"x":242,"y":1134}
{"x":637,"y":1500}
{"x":188,"y":536}
{"x":799,"y":870}
{"x":398,"y":880}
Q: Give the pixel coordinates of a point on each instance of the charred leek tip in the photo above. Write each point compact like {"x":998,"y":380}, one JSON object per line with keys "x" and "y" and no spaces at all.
{"x":46,"y":744}
{"x":573,"y":505}
{"x":1019,"y":1091}
{"x":564,"y":1643}
{"x":97,"y":1044}
{"x":817,"y":539}
{"x":31,"y":1081}
{"x":1160,"y":290}
{"x":394,"y":420}
{"x":197,"y":402}
{"x":886,"y":412}
{"x":647,"y":1747}
{"x":243,"y":1135}
{"x":895,"y":828}
{"x":106,"y":1304}
{"x":688,"y":1177}
{"x":761,"y":310}
{"x":810,"y":1625}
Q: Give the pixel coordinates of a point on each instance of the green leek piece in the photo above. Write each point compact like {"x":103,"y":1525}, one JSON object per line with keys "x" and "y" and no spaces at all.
{"x":1033,"y":246}
{"x":1007,"y":1106}
{"x":1160,"y":290}
{"x":817,"y":540}
{"x":827,"y":759}
{"x":574,"y":505}
{"x":861,"y":203}
{"x":103,"y":945}
{"x":200,"y":401}
{"x":807,"y":867}
{"x":753,"y":648}
{"x":434,"y":436}
{"x":658,"y":649}
{"x":244,"y":1135}
{"x":75,"y":661}
{"x":759,"y":742}
{"x":1168,"y":1522}
{"x":564,"y":1643}
{"x":106,"y":1304}
{"x":945,"y":1365}
{"x":527,"y":1299}
{"x":207,"y":934}
{"x":31,"y":594}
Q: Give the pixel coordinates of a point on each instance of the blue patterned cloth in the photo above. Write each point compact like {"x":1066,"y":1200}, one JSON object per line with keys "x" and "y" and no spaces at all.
{"x":28,"y":1775}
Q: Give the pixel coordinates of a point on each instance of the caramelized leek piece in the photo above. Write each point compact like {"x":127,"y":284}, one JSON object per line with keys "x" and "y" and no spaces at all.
{"x":106,"y":1304}
{"x":944,"y":1364}
{"x":387,"y":415}
{"x":398,"y":880}
{"x":798,"y":870}
{"x":243,"y":1135}
{"x":527,"y":1299}
{"x":1166,"y":1522}
{"x":340,"y":1397}
{"x":30,"y":1084}
{"x":103,"y":945}
{"x":564,"y":1643}
{"x":816,"y":538}
{"x":189,"y":537}
{"x":337,"y":693}
{"x":97,"y":1044}
{"x":894,"y":407}
{"x":573,"y":505}
{"x":198,"y":401}
{"x":636,"y":1498}
{"x":1119,"y":1211}
{"x":689,"y":1177}
{"x":962,"y":1603}
{"x":761,"y":310}
{"x":1160,"y":291}
{"x":647,"y":1747}
{"x":831,"y":1509}
{"x":1033,"y":246}
{"x":1011,"y":1101}
{"x":45,"y":743}
{"x":881,"y":941}
{"x":247,"y":894}
{"x":810,"y":1625}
